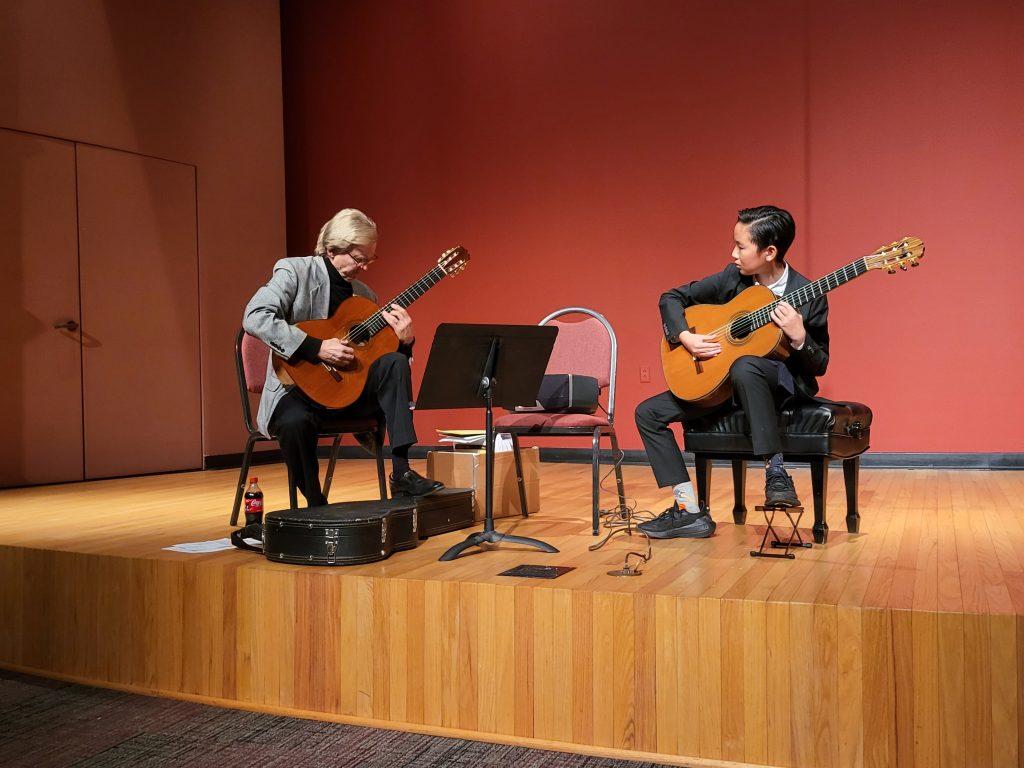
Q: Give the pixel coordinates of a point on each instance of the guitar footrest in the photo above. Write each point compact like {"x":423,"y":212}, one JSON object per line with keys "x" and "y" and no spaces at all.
{"x":794,"y":540}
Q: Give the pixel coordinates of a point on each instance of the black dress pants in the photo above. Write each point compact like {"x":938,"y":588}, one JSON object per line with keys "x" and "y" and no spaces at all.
{"x":760,"y":386}
{"x":297,"y":420}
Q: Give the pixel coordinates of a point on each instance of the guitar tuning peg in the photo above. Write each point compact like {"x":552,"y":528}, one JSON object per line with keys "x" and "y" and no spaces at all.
{"x":915,"y":263}
{"x":903,"y":266}
{"x":891,"y":270}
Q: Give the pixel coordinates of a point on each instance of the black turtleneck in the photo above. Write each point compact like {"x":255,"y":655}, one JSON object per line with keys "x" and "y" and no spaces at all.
{"x":341,"y":288}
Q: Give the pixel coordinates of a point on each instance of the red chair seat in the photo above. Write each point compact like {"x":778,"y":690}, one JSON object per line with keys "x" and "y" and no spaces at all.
{"x":541,"y":419}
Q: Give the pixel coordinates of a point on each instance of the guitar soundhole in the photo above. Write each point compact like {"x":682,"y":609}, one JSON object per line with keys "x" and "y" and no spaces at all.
{"x":357,"y":339}
{"x":740,"y":328}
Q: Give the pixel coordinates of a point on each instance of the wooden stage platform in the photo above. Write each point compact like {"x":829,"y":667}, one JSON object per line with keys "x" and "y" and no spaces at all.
{"x":900,"y":646}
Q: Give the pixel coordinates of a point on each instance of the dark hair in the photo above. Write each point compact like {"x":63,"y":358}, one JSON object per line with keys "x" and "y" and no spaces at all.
{"x":769,"y":226}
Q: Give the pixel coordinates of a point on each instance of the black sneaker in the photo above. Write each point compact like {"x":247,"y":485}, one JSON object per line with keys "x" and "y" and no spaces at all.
{"x":675,"y":523}
{"x":779,"y":490}
{"x":412,"y":483}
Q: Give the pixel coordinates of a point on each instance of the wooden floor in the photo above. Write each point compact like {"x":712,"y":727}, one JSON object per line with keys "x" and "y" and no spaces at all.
{"x":902,"y":645}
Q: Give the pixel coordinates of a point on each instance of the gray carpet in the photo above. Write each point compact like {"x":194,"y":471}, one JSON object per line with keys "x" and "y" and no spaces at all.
{"x":48,"y":723}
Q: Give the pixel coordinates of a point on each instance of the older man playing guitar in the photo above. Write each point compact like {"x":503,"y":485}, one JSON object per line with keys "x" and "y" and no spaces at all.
{"x":312,"y":288}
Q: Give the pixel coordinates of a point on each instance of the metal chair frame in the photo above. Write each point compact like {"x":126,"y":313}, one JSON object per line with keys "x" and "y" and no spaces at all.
{"x":596,"y":433}
{"x":255,"y":436}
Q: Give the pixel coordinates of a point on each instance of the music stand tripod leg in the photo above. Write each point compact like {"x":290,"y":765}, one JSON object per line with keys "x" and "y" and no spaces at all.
{"x":493,"y":537}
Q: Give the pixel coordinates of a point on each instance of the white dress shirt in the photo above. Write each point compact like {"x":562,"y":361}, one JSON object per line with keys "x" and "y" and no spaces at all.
{"x":779,"y":289}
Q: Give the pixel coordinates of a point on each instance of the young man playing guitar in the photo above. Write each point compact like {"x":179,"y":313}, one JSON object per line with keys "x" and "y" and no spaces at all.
{"x":310,"y":288}
{"x":762,"y":236}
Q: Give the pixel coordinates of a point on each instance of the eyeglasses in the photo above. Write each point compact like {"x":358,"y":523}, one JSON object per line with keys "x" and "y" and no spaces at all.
{"x":360,"y":261}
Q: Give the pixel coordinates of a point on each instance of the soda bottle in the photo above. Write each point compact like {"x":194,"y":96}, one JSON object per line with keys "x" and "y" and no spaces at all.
{"x":253,"y":502}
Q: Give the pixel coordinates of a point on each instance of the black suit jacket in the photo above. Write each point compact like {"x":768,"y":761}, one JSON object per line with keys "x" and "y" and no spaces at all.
{"x":806,"y":364}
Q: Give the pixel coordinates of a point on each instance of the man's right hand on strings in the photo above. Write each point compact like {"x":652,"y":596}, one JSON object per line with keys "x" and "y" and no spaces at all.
{"x":701,"y":346}
{"x":336,"y":352}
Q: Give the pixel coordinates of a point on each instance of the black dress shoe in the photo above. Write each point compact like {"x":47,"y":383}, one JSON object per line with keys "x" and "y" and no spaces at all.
{"x":675,"y":523}
{"x":779,"y":490}
{"x":412,"y":483}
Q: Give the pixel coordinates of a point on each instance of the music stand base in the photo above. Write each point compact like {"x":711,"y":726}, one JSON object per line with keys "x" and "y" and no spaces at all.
{"x":493,"y":537}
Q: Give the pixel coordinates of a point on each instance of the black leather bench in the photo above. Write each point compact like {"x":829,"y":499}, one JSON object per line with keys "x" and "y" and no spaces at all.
{"x":812,"y":432}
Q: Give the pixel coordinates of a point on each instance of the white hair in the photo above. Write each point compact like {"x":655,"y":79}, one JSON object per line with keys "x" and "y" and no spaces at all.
{"x":344,"y":231}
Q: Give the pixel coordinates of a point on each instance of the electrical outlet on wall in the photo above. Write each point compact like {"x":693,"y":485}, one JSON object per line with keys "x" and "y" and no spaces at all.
{"x":645,"y":374}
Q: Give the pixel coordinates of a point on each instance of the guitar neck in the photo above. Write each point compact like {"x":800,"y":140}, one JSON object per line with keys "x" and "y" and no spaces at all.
{"x":812,"y":291}
{"x":376,"y":323}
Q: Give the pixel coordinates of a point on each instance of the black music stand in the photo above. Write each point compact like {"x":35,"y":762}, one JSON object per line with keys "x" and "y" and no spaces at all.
{"x":479,"y":366}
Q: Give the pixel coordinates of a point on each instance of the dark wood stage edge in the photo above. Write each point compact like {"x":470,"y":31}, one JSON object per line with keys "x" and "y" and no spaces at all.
{"x":901,"y":646}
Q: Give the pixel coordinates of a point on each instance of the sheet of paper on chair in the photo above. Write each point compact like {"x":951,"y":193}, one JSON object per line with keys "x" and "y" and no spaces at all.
{"x":203,"y":547}
{"x":456,"y":440}
{"x":475,"y":439}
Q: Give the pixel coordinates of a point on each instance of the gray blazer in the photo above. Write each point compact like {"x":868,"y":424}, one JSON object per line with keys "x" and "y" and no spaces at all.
{"x":298,"y":290}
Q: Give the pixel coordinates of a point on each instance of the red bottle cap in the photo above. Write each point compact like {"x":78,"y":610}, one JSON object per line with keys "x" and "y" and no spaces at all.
{"x":253,"y":480}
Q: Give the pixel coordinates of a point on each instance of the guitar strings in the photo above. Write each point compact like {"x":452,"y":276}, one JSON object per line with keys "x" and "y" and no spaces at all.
{"x":376,"y":322}
{"x":747,"y":324}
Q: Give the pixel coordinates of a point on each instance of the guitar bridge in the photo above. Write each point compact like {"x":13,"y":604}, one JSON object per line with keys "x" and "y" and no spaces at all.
{"x":333,"y":371}
{"x":696,"y":361}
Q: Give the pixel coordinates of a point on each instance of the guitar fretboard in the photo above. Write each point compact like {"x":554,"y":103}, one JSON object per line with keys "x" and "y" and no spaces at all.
{"x":376,"y":323}
{"x":746,"y":325}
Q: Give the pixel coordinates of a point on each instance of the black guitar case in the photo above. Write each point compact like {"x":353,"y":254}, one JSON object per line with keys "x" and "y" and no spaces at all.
{"x":404,"y":517}
{"x":353,"y":532}
{"x":439,"y":512}
{"x":446,"y":510}
{"x":346,"y":533}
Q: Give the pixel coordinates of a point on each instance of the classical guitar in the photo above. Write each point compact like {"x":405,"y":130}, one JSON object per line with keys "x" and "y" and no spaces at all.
{"x":744,"y":326}
{"x":359,"y":323}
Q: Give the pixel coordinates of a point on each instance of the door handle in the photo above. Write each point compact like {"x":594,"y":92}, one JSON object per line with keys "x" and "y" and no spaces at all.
{"x":69,"y":325}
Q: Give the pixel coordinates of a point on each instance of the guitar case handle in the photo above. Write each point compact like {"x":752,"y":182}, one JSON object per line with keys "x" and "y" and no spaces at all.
{"x":251,"y":531}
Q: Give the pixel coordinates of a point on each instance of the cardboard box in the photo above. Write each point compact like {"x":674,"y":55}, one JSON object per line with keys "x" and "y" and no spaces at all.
{"x":468,"y":469}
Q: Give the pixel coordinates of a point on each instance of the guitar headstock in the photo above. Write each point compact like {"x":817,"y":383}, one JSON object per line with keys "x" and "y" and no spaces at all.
{"x":454,"y":260}
{"x":907,"y":250}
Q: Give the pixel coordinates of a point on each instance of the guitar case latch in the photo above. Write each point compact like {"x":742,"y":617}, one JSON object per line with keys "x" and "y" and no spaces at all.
{"x":332,"y":544}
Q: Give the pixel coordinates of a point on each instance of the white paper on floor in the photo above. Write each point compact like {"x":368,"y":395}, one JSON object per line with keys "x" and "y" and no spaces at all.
{"x":215,"y":545}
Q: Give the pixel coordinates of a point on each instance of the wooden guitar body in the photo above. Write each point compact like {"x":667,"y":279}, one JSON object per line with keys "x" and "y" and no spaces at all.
{"x":706,"y":382}
{"x":338,"y":386}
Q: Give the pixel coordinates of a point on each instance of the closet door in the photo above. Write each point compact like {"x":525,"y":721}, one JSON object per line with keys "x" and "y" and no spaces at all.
{"x":140,"y":314}
{"x":41,"y":384}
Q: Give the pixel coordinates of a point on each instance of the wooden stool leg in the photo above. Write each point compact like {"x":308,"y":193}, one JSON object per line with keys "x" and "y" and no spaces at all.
{"x":242,"y":477}
{"x":739,"y":486}
{"x":330,"y":465}
{"x":293,"y":495}
{"x":703,"y":467}
{"x":851,"y":473}
{"x":819,"y":483}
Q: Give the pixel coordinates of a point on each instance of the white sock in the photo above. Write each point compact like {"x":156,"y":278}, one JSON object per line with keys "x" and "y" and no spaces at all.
{"x":685,"y":497}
